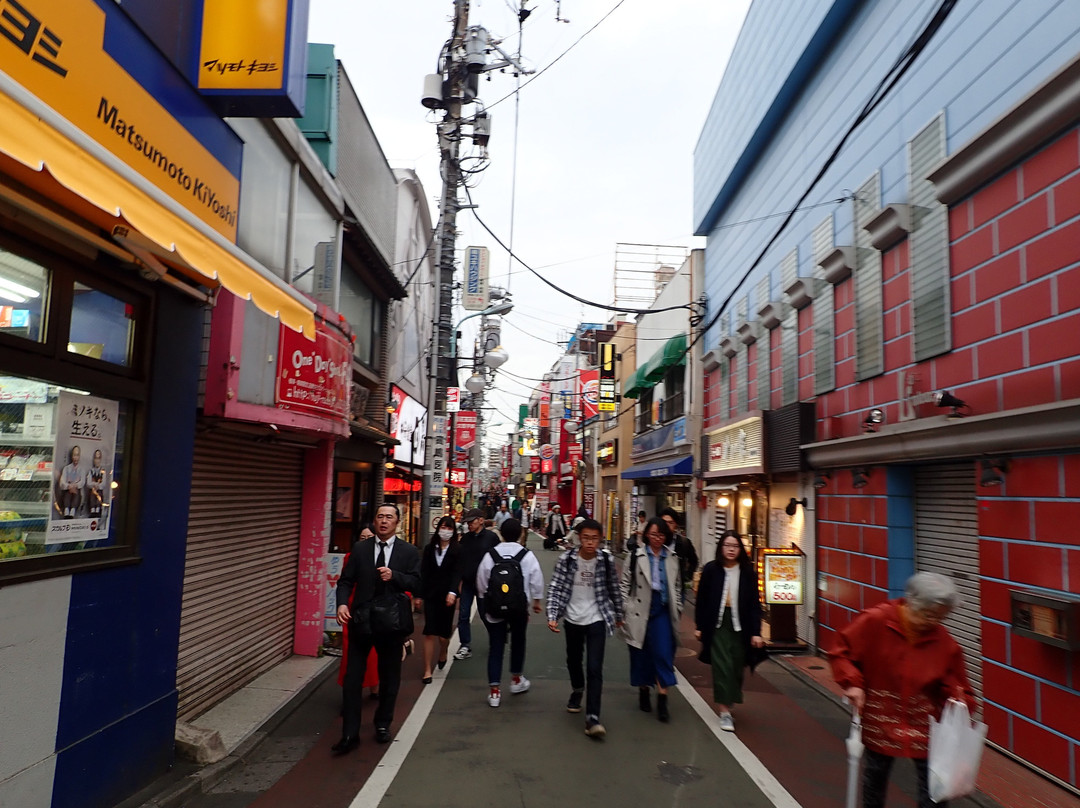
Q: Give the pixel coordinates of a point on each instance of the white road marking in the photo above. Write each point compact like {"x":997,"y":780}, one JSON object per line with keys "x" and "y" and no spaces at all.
{"x":753,"y":767}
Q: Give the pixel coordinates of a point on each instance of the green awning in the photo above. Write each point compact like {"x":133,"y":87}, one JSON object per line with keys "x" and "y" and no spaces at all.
{"x":635,"y":384}
{"x":673,"y":354}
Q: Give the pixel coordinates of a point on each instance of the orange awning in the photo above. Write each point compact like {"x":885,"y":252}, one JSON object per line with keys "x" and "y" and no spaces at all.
{"x":89,"y":171}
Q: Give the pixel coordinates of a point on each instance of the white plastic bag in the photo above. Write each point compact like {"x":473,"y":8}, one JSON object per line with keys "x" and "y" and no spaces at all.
{"x":956,"y":746}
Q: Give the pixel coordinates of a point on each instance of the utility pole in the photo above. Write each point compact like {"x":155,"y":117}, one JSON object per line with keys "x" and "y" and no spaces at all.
{"x":442,"y":370}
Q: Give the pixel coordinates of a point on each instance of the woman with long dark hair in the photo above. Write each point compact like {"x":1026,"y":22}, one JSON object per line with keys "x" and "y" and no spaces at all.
{"x":440,"y":576}
{"x":652,"y":598}
{"x":728,"y":622}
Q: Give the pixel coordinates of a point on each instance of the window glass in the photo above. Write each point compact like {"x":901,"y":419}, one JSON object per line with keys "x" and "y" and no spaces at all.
{"x":360,"y":308}
{"x":55,"y":506}
{"x":102,"y":326}
{"x":23,"y":286}
{"x":264,"y":200}
{"x":314,"y":246}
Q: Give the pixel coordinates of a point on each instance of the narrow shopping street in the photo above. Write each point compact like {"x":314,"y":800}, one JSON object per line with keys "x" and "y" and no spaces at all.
{"x":451,"y":749}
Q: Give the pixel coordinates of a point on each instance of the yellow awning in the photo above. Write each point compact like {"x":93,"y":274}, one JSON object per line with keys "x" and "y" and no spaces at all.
{"x":30,"y":140}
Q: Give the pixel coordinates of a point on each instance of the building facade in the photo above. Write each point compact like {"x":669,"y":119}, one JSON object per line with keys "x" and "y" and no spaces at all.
{"x":919,"y":291}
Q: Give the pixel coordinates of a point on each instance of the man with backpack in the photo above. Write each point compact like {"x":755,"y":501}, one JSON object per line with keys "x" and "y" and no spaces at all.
{"x":586,"y":595}
{"x":511,"y":578}
{"x":475,"y":542}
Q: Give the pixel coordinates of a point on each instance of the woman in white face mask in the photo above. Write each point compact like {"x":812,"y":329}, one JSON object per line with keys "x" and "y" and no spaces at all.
{"x":440,"y":575}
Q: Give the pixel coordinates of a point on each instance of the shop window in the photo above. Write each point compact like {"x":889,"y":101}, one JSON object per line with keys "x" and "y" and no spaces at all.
{"x":674,"y":393}
{"x":67,"y":422}
{"x":102,"y":326}
{"x":23,"y":291}
{"x":61,"y":469}
{"x":645,"y":410}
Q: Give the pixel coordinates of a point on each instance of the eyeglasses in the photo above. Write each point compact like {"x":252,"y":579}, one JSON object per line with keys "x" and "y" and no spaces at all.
{"x":728,"y":546}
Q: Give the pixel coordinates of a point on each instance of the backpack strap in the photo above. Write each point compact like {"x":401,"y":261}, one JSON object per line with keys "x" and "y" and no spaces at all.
{"x":520,"y":555}
{"x":494,"y":555}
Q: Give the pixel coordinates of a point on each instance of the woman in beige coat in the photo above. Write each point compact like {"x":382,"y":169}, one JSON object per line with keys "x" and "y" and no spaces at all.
{"x":652,"y":600}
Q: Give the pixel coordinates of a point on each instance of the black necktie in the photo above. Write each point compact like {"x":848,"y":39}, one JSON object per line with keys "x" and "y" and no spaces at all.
{"x":380,"y":560}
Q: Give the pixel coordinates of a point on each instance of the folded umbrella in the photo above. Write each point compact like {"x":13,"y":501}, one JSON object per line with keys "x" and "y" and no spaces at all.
{"x":854,"y":755}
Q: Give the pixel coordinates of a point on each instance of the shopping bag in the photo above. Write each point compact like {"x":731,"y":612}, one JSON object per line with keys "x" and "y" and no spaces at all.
{"x":956,"y":746}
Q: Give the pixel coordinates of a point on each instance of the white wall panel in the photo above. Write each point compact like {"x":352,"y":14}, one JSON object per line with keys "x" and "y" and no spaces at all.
{"x":34,"y":616}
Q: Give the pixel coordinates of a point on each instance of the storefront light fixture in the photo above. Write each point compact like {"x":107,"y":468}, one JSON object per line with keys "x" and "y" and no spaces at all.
{"x":993,"y":472}
{"x":793,"y":506}
{"x":747,"y":502}
{"x":389,"y":465}
{"x":859,"y":478}
{"x":821,"y":479}
{"x":723,"y":501}
{"x":874,"y":418}
{"x":947,"y":399}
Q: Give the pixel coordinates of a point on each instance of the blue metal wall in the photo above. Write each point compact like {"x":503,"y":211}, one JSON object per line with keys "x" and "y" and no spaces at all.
{"x":989,"y":54}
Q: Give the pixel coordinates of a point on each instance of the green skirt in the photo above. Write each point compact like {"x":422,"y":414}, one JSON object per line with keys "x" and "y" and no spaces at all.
{"x":728,"y":660}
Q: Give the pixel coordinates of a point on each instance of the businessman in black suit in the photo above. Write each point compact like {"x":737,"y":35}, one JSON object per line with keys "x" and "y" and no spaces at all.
{"x":376,"y":566}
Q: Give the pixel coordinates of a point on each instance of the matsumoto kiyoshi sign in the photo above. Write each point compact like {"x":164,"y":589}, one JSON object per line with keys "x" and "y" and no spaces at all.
{"x":313,"y":377}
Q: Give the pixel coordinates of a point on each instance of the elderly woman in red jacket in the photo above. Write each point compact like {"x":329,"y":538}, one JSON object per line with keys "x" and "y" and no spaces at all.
{"x":898,"y":665}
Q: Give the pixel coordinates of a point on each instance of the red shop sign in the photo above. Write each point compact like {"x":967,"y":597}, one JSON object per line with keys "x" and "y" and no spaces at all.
{"x":313,"y":376}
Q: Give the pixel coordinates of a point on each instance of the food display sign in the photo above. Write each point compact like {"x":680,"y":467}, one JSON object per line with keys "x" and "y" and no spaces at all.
{"x":782,"y":572}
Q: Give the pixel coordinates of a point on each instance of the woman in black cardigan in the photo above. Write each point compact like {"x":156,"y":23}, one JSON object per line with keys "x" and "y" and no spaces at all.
{"x":440,"y":580}
{"x":730,"y":636}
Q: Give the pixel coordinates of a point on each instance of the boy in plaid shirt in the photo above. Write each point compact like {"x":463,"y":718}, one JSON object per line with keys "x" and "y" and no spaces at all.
{"x":585,"y":594}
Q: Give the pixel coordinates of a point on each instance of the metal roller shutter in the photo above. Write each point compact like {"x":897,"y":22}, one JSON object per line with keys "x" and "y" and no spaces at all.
{"x":240,"y":571}
{"x":947,"y":542}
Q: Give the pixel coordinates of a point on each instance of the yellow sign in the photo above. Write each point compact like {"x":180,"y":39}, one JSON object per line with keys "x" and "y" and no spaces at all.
{"x":243,"y":44}
{"x":56,"y":51}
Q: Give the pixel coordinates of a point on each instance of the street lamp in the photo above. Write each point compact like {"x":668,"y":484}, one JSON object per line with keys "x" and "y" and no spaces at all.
{"x":475,"y":383}
{"x":496,"y":357}
{"x":502,"y":307}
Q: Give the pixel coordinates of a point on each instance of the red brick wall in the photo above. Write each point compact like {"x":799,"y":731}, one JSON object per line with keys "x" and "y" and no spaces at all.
{"x":1029,"y":538}
{"x":853,"y":550}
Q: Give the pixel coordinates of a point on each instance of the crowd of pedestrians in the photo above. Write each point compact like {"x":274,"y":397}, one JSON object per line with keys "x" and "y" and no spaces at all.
{"x":895,"y":662}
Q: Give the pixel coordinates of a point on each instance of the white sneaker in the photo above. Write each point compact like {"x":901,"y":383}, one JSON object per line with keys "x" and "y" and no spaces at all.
{"x":727,"y":723}
{"x":464,"y":652}
{"x":520,"y":686}
{"x":494,"y":697}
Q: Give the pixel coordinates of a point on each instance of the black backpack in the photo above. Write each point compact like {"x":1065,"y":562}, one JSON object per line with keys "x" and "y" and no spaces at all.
{"x":506,"y":586}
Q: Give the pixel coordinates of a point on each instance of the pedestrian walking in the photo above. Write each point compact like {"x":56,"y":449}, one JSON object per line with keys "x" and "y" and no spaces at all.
{"x":653,"y":598}
{"x":727,"y":615}
{"x":585,"y":594}
{"x":898,"y":666}
{"x":475,"y":543}
{"x":684,"y":548}
{"x":380,"y":569}
{"x":371,"y":670}
{"x":638,"y":532}
{"x":554,"y":529}
{"x":519,"y":581}
{"x":440,"y":580}
{"x":501,"y":516}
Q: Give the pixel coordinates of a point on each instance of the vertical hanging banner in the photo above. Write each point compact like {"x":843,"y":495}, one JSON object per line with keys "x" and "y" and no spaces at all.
{"x":606,"y":392}
{"x":464,"y":431}
{"x":589,"y":383}
{"x":475,"y":295}
{"x":83,"y":455}
{"x":545,"y":405}
{"x":453,"y":399}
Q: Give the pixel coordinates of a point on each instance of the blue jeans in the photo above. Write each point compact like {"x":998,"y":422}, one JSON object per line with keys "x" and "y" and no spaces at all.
{"x":497,"y":631}
{"x":468,"y":594}
{"x":588,"y":640}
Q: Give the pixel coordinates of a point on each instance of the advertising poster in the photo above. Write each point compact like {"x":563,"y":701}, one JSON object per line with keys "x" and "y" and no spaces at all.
{"x":459,"y":478}
{"x":408,"y":424}
{"x":545,"y":405}
{"x":475,"y":295}
{"x":83,"y":455}
{"x":464,"y":431}
{"x":453,"y":399}
{"x":335,"y":562}
{"x":590,"y":395}
{"x":783,"y":578}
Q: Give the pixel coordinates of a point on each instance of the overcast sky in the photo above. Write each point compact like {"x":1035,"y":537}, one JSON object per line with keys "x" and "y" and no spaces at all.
{"x":605,"y":140}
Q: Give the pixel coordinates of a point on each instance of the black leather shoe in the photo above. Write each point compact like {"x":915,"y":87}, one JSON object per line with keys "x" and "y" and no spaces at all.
{"x":382,"y":735}
{"x":345,"y":745}
{"x":662,"y":708}
{"x":644,"y":700}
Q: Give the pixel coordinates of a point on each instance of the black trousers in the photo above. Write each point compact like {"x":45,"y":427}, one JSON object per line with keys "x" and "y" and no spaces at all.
{"x":588,"y":641}
{"x":875,"y":781}
{"x":388,"y":649}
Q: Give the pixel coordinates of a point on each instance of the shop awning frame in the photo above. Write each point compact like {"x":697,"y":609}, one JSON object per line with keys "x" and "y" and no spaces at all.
{"x":658,"y":469}
{"x":672,"y":354}
{"x":37,"y":137}
{"x":635,"y":384}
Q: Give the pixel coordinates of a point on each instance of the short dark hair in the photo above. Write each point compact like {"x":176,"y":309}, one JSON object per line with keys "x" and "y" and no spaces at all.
{"x":397,"y":510}
{"x":674,"y":514}
{"x":510,"y":530}
{"x":589,"y":524}
{"x":641,"y":514}
{"x":662,"y":526}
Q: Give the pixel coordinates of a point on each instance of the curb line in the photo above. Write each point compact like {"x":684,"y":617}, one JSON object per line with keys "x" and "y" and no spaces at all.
{"x":176,"y":794}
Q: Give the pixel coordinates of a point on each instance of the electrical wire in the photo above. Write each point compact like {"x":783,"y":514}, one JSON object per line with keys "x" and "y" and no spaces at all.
{"x":559,"y":289}
{"x":554,"y":61}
